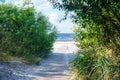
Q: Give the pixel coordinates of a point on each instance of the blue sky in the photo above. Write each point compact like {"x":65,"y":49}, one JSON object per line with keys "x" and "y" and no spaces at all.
{"x":54,"y":15}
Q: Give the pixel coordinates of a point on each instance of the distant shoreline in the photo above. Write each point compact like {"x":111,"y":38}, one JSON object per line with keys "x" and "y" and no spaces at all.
{"x":65,"y":37}
{"x":65,"y":41}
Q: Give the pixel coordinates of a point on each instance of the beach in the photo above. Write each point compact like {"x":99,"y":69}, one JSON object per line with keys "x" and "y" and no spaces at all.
{"x":55,"y":67}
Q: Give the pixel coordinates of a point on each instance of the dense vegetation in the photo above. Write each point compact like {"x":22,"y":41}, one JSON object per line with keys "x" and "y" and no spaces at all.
{"x":98,"y":38}
{"x":24,"y":33}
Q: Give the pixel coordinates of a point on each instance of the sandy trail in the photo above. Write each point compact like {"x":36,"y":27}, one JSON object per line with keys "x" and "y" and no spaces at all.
{"x":55,"y":67}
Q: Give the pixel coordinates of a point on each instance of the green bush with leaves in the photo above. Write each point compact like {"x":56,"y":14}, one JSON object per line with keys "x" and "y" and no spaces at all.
{"x":25,"y":33}
{"x":98,"y":35}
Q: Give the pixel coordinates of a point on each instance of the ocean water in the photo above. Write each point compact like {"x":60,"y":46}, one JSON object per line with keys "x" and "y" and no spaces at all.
{"x":65,"y":37}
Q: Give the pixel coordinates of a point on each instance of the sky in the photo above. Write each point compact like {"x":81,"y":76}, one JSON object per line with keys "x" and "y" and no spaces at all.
{"x":53,"y":14}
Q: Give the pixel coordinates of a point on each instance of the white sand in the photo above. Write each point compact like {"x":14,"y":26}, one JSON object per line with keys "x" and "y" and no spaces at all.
{"x":55,"y":67}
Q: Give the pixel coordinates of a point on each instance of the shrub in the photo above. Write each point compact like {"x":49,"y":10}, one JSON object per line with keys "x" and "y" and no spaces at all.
{"x":98,"y":30}
{"x":25,"y":33}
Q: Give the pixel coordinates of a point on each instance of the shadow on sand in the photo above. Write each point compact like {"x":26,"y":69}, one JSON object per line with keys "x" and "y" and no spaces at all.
{"x":55,"y":65}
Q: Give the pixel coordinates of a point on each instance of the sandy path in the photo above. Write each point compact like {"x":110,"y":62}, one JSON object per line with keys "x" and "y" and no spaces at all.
{"x":53,"y":68}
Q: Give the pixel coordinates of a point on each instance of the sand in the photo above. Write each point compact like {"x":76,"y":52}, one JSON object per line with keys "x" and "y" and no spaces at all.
{"x":55,"y":67}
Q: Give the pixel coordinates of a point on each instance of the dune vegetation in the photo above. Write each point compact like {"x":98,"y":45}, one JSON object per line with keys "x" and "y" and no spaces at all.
{"x":24,"y":33}
{"x":97,"y":35}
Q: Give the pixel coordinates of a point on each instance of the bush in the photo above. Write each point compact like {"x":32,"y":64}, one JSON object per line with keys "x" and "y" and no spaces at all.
{"x":25,"y":33}
{"x":87,"y":65}
{"x":98,"y":30}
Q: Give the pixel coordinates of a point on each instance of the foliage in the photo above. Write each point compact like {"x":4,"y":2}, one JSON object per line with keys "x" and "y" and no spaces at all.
{"x":98,"y":31}
{"x":25,"y":33}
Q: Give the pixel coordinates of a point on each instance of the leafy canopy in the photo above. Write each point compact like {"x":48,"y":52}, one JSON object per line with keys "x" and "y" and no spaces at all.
{"x":25,"y":33}
{"x":98,"y":35}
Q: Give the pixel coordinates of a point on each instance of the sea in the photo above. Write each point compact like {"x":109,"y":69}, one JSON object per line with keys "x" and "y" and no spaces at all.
{"x":65,"y":37}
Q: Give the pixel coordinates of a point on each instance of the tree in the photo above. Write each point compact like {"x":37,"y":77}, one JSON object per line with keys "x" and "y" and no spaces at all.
{"x":98,"y":35}
{"x":24,"y":33}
